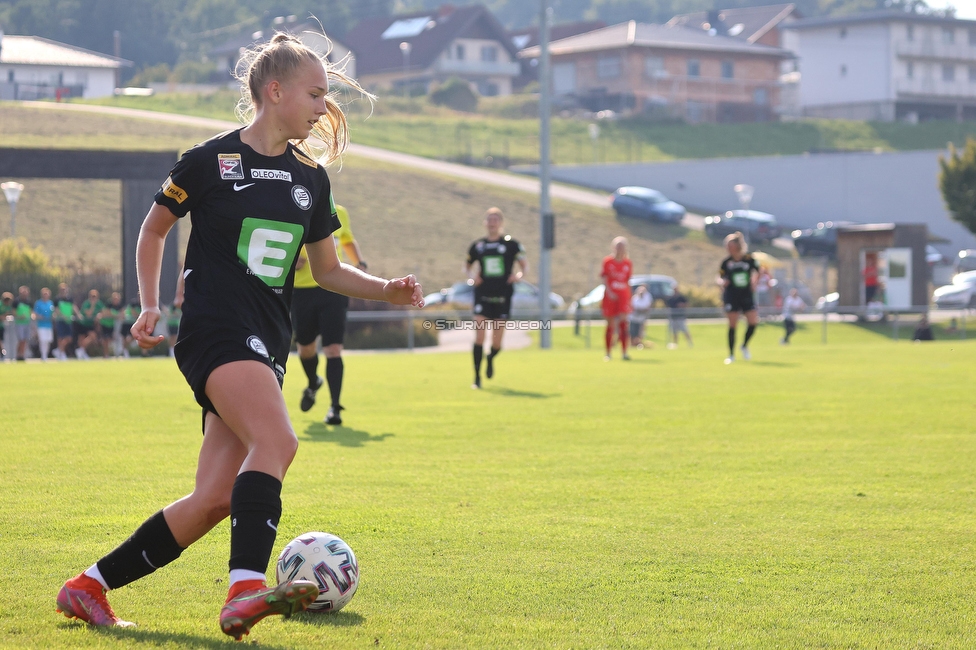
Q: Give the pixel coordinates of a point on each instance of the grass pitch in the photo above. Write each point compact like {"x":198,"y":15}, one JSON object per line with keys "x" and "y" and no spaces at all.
{"x":818,"y":496}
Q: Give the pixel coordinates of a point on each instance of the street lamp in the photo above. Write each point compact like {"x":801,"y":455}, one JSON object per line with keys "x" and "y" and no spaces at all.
{"x":405,"y":50}
{"x":547,"y":225}
{"x":12,"y":191}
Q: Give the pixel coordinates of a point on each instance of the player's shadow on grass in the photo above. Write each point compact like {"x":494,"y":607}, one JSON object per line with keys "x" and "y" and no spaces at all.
{"x":343,"y":436}
{"x":338,"y":619}
{"x":775,"y":364}
{"x":512,"y":392}
{"x":180,"y":640}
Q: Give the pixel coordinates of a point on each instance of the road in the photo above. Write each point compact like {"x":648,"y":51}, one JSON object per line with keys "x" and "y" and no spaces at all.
{"x":507,"y":180}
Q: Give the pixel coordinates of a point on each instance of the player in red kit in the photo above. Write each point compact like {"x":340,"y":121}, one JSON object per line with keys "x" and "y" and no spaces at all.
{"x":616,"y":296}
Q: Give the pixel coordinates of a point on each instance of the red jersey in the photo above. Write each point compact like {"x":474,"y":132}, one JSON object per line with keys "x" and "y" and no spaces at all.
{"x":616,"y":276}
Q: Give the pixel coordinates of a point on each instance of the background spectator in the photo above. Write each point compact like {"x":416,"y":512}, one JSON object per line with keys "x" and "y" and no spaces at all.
{"x":23,"y":315}
{"x":677,"y":318}
{"x":44,"y":318}
{"x":640,"y":304}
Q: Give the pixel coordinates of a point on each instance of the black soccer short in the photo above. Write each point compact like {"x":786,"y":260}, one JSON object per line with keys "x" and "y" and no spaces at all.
{"x":492,"y":307}
{"x":317,"y":312}
{"x":739,"y":303}
{"x":200,"y":352}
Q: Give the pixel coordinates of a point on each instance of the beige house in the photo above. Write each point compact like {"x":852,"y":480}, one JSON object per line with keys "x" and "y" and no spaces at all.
{"x":669,"y":71}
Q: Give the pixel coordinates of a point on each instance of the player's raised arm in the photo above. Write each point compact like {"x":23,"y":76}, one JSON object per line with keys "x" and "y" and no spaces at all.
{"x":331,"y":274}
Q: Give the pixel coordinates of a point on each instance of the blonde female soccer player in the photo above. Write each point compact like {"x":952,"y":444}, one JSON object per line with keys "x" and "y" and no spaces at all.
{"x":737,"y":276}
{"x":255,"y":199}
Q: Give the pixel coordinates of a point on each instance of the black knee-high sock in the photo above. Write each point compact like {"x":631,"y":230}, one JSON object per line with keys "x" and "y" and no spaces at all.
{"x":152,"y":546}
{"x":255,"y":509}
{"x":334,"y":368}
{"x":749,"y":331}
{"x":494,"y":352}
{"x":478,"y":351}
{"x":311,"y":368}
{"x":731,"y":341}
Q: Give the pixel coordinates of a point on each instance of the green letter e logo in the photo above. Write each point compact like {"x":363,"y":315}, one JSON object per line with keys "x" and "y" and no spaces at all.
{"x":268,"y":248}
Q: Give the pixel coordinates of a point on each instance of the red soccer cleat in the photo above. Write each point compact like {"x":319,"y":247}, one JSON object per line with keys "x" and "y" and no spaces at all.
{"x":83,"y":598}
{"x":246,"y":608}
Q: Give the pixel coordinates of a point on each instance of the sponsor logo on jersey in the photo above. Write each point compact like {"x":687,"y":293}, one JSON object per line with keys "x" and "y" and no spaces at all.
{"x":257,"y":345}
{"x":271,"y":175}
{"x":268,"y":248}
{"x":305,"y":160}
{"x":231,"y":167}
{"x":301,"y":197}
{"x":238,"y":188}
{"x":174,"y":191}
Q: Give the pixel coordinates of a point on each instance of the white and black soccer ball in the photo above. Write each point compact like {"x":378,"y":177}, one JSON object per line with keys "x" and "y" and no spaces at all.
{"x":327,"y":561}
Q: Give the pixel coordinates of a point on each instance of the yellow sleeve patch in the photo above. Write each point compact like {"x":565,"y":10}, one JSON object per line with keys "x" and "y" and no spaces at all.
{"x":305,"y":160}
{"x":174,"y":191}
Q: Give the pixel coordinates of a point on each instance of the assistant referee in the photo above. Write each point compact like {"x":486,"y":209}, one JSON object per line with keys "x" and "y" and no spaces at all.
{"x":317,"y":312}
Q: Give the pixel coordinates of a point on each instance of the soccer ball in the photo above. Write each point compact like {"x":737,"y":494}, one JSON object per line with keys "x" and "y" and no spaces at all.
{"x":325,"y":560}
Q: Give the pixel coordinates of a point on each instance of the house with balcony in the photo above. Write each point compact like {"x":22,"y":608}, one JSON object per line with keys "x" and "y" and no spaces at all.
{"x":415,"y":52}
{"x":32,"y":67}
{"x":676,"y":72}
{"x":886,"y":66}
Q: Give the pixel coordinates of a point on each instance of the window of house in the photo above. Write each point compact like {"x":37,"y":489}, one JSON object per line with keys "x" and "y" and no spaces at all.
{"x":728,"y":68}
{"x":972,"y":73}
{"x":948,"y":35}
{"x":843,"y":71}
{"x":487,"y":89}
{"x":608,"y":67}
{"x":654,"y":67}
{"x":972,"y":36}
{"x":459,"y":52}
{"x":948,"y":72}
{"x":843,"y":32}
{"x":694,"y":68}
{"x":910,"y":32}
{"x":10,"y":76}
{"x":910,"y":70}
{"x":760,"y":97}
{"x":489,"y":53}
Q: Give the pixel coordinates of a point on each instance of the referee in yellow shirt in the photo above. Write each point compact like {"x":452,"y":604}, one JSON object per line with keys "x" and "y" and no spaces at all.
{"x":316,"y":312}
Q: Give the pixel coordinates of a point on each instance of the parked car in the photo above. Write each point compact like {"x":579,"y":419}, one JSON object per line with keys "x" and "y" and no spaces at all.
{"x":755,"y":225}
{"x":821,"y":240}
{"x":966,"y":261}
{"x":460,"y":295}
{"x":645,"y":203}
{"x":828,"y":303}
{"x":958,"y":295}
{"x":661,"y":287}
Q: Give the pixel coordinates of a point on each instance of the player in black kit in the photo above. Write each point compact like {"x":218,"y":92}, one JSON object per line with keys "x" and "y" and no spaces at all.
{"x":494,"y":283}
{"x":737,"y":275}
{"x":254,"y":198}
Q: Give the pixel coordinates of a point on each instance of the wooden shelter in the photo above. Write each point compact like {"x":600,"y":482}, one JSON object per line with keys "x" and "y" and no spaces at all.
{"x":895,"y":254}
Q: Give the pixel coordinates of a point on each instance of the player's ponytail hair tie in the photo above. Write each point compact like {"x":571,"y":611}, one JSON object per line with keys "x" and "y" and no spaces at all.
{"x":279,"y":59}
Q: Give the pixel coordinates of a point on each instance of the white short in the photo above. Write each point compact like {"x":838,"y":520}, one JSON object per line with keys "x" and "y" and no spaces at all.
{"x":45,"y":334}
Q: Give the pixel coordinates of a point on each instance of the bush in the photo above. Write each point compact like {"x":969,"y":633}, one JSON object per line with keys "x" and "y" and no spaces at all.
{"x":150,"y":74}
{"x":384,"y":335}
{"x":22,"y":265}
{"x":192,"y":72}
{"x":698,"y":296}
{"x":456,"y":94}
{"x":957,"y":181}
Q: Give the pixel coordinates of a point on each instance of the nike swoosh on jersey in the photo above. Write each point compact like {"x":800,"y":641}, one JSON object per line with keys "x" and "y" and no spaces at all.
{"x":238,"y":188}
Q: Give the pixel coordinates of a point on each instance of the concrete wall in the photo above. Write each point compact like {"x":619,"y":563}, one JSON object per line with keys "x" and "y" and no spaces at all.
{"x":799,"y":190}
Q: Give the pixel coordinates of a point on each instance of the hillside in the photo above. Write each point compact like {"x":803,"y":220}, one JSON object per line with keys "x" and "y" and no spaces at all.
{"x":406,"y":221}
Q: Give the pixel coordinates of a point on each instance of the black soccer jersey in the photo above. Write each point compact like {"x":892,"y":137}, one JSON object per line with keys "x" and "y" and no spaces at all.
{"x":739,"y":275}
{"x":496,"y":259}
{"x":250,"y":216}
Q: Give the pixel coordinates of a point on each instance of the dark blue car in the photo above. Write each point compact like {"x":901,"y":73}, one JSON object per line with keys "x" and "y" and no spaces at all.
{"x":645,"y":203}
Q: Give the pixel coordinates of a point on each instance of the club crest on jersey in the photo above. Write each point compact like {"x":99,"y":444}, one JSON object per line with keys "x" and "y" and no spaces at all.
{"x":301,"y":197}
{"x":231,"y":167}
{"x":257,"y":345}
{"x":271,"y":175}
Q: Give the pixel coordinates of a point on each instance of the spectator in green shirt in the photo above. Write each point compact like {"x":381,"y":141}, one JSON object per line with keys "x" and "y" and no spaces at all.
{"x":5,"y":310}
{"x":65,"y":314}
{"x":90,"y":309}
{"x":109,"y":324}
{"x":23,"y":315}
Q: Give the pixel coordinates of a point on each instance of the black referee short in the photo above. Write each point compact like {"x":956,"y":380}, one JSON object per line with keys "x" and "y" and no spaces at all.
{"x":317,"y":312}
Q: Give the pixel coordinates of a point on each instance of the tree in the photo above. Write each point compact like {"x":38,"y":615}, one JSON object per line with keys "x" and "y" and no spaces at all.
{"x":957,"y":182}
